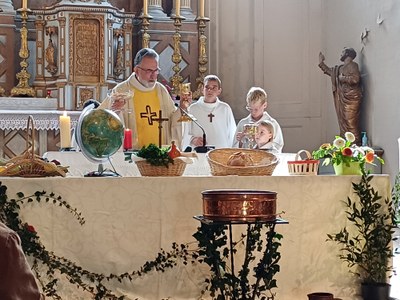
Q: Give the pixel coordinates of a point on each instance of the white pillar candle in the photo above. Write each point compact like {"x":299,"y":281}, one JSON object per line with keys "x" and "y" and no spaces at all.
{"x":145,"y":7}
{"x":177,"y":8}
{"x":24,"y":3}
{"x":65,"y":131}
{"x":201,"y":9}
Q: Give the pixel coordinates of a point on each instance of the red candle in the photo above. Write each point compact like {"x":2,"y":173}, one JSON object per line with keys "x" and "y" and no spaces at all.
{"x":127,"y":139}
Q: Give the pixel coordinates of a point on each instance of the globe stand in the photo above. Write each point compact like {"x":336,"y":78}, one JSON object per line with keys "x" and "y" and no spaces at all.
{"x":101,"y":172}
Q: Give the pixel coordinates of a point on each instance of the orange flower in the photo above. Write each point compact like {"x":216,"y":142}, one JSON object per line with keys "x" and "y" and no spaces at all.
{"x":347,"y":151}
{"x":369,"y":157}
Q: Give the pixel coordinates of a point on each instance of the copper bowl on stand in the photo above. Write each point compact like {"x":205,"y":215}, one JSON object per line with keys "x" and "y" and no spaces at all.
{"x":239,"y":205}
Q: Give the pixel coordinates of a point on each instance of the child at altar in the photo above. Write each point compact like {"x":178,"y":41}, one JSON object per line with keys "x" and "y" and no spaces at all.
{"x":265,"y":136}
{"x":256,"y":104}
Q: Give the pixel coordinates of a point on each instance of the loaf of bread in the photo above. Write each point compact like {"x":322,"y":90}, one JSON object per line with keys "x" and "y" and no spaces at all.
{"x":240,"y":159}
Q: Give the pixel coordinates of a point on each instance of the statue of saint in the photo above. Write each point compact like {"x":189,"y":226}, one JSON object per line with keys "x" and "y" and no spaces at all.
{"x":50,"y":58}
{"x":346,"y":89}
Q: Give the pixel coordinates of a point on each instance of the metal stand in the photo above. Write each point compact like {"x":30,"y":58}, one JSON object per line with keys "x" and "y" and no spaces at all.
{"x":264,"y":269}
{"x":203,"y":59}
{"x":177,"y":56}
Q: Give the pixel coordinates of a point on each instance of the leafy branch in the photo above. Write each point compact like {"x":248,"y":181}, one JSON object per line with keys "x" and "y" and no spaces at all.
{"x":367,"y":251}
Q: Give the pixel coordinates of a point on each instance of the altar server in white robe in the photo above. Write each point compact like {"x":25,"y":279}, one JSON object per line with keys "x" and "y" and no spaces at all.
{"x":149,"y":97}
{"x":214,"y":115}
{"x":257,"y":104}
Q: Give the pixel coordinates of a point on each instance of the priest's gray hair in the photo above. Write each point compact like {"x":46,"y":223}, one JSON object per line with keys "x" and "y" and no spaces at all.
{"x":145,"y":52}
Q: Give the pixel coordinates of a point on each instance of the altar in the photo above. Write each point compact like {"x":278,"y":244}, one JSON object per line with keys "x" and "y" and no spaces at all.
{"x":129,"y":219}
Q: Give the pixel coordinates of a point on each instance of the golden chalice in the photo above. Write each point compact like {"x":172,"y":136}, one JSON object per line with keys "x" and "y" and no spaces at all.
{"x":185,"y":99}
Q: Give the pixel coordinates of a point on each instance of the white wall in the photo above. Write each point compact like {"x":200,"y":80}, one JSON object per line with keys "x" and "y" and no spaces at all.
{"x":275,"y":45}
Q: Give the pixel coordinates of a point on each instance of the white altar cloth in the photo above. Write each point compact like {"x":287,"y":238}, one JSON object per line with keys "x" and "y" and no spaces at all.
{"x":128,"y":220}
{"x":79,"y":165}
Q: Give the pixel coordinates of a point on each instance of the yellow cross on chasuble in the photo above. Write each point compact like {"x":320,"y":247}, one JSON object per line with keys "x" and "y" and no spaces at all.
{"x":146,"y":108}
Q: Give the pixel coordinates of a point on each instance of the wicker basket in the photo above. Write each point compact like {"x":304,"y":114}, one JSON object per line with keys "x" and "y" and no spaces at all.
{"x":307,"y":166}
{"x":175,"y":169}
{"x":264,"y":162}
{"x":29,"y":164}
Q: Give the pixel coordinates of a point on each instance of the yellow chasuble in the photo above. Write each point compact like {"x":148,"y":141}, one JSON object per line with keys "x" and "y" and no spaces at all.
{"x":147,"y":108}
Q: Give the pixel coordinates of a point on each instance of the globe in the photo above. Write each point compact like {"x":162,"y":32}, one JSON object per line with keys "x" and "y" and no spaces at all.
{"x":99,"y":133}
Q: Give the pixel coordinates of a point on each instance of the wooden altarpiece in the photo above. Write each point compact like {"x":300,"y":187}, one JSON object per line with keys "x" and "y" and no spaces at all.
{"x":83,"y":48}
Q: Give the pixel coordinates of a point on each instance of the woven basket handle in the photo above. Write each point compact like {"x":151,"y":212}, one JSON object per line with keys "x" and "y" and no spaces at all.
{"x":298,"y":155}
{"x":30,"y":125}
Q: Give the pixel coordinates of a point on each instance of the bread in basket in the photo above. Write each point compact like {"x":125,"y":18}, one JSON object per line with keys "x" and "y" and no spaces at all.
{"x":264,"y":162}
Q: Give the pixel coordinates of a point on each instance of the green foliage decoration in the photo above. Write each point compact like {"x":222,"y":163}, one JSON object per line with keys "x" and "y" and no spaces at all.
{"x":211,"y":248}
{"x":224,"y":283}
{"x":155,"y":156}
{"x":368,"y":250}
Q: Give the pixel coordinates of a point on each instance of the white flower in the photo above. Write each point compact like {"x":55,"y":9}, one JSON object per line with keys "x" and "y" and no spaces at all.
{"x":350,"y":137}
{"x":339,"y":142}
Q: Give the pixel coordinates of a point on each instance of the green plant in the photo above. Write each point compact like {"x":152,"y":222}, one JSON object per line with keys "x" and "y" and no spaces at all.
{"x":224,"y":283}
{"x":155,"y":156}
{"x":343,"y":150}
{"x":212,"y":241}
{"x":365,"y":244}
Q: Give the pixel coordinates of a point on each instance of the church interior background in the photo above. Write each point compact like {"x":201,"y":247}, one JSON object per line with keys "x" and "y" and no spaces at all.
{"x":79,"y":49}
{"x":246,"y":45}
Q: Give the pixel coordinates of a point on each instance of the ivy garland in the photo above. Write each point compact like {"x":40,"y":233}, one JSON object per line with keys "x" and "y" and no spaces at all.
{"x":212,"y":249}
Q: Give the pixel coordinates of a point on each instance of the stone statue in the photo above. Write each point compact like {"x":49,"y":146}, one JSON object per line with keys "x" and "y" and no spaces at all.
{"x":346,"y":91}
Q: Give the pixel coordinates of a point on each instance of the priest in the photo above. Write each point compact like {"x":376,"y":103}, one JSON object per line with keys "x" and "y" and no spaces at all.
{"x":147,"y":100}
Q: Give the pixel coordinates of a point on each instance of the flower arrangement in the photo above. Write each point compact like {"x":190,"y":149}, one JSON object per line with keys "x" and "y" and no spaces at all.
{"x":344,"y":151}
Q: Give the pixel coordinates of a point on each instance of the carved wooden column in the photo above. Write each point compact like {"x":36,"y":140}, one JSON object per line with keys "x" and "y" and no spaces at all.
{"x":62,"y":35}
{"x":110,"y":47}
{"x":128,"y":47}
{"x":40,"y":29}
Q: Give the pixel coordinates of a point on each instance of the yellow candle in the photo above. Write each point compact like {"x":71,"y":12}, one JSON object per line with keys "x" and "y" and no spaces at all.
{"x":145,"y":7}
{"x":24,"y":3}
{"x":65,"y":131}
{"x":201,"y":9}
{"x":177,"y":8}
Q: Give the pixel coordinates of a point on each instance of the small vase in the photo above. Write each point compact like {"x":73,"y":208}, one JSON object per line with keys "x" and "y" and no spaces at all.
{"x":354,"y":168}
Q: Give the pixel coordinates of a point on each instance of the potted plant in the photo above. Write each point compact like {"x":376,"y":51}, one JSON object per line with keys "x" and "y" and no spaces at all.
{"x":346,"y":157}
{"x":366,"y":242}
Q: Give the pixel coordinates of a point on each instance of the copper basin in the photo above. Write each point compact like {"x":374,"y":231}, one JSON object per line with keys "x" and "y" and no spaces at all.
{"x":246,"y":205}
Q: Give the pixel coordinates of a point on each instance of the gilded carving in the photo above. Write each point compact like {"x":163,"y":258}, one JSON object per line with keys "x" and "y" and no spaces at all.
{"x":86,"y":54}
{"x":85,"y":94}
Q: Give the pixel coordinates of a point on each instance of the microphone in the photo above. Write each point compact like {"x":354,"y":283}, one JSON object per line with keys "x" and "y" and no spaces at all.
{"x":198,"y":149}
